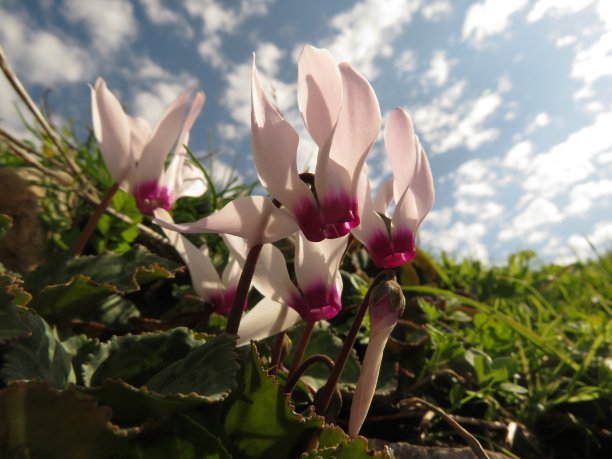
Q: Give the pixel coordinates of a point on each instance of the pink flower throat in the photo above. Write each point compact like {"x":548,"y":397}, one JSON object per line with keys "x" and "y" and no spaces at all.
{"x":150,"y":195}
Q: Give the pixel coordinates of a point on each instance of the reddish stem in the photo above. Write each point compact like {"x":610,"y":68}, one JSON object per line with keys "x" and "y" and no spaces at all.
{"x":244,"y":284}
{"x":326,"y":394}
{"x":301,"y":348}
{"x":93,"y":220}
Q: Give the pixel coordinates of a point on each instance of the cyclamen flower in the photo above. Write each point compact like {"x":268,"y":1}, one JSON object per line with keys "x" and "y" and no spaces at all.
{"x":390,"y":240}
{"x":135,"y":154}
{"x":386,"y":307}
{"x":216,"y":290}
{"x":342,"y":115}
{"x":316,"y":296}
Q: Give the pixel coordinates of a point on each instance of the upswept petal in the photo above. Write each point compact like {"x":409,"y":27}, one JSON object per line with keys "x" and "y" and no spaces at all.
{"x":319,"y":92}
{"x":253,"y":218}
{"x":111,"y":128}
{"x":384,"y":196}
{"x":372,"y":232}
{"x":418,"y":199}
{"x":274,"y":151}
{"x":401,"y":147}
{"x":358,"y":126}
{"x":204,"y":276}
{"x":267,"y":318}
{"x":184,"y":178}
{"x":337,"y":173}
{"x":231,"y":274}
{"x":271,"y":277}
{"x":169,"y":134}
{"x":318,"y":262}
{"x":141,"y":133}
{"x":423,"y":186}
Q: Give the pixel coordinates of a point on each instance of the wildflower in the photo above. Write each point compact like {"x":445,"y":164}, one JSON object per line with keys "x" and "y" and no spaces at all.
{"x":135,"y":154}
{"x":386,"y":307}
{"x":216,"y":290}
{"x":316,"y":296}
{"x":391,"y":240}
{"x":341,"y":113}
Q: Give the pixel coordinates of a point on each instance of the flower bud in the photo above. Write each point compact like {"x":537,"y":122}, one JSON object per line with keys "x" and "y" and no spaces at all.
{"x":386,"y":306}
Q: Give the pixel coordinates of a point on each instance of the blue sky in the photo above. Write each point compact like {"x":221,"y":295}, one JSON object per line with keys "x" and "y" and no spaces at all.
{"x":511,"y":99}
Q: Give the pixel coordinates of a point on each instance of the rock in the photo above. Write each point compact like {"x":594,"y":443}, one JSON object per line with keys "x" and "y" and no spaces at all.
{"x":407,"y":451}
{"x":25,"y":246}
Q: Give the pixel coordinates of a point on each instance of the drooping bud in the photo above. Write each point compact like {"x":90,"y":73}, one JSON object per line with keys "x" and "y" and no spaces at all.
{"x":386,"y":307}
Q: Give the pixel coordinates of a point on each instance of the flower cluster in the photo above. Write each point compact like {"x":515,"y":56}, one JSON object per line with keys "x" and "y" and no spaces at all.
{"x":342,"y":116}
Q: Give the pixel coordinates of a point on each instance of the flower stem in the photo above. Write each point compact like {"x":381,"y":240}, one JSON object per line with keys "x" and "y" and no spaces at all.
{"x":301,"y":348}
{"x":297,"y":374}
{"x":94,"y":219}
{"x":277,"y":353}
{"x":233,"y":321}
{"x":322,"y":402}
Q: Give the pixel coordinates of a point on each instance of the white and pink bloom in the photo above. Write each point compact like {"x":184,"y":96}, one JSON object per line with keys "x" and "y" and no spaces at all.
{"x":217,"y":290}
{"x":315,"y":297}
{"x":342,"y":115}
{"x":390,"y":240}
{"x":386,"y":307}
{"x":135,"y":154}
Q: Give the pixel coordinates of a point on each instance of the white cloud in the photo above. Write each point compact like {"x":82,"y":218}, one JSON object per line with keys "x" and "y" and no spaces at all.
{"x":593,"y":63}
{"x":600,"y":238}
{"x":483,"y":211}
{"x":541,"y":120}
{"x":449,"y":122}
{"x":570,"y":161}
{"x":39,"y":56}
{"x":565,"y":40}
{"x":584,"y":195}
{"x":460,"y":239}
{"x":439,"y":70}
{"x":440,"y":218}
{"x":156,"y":87}
{"x":110,"y":23}
{"x":555,"y":8}
{"x":474,"y":189}
{"x":158,"y":13}
{"x":406,"y":63}
{"x":520,"y":156}
{"x":217,"y":20}
{"x":488,"y":18}
{"x":437,"y":10}
{"x":363,"y":33}
{"x":538,"y":212}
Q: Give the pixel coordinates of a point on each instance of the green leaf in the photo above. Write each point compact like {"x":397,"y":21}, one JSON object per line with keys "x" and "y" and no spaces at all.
{"x":259,"y":419}
{"x":124,"y":272}
{"x":6,"y":223}
{"x":114,"y":312}
{"x":181,"y":437}
{"x":136,"y":358}
{"x":208,"y":370}
{"x":38,"y":422}
{"x":80,"y":348}
{"x":133,"y":406}
{"x":14,"y":322}
{"x":58,"y":303}
{"x":350,"y":449}
{"x":40,"y":356}
{"x":516,"y":326}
